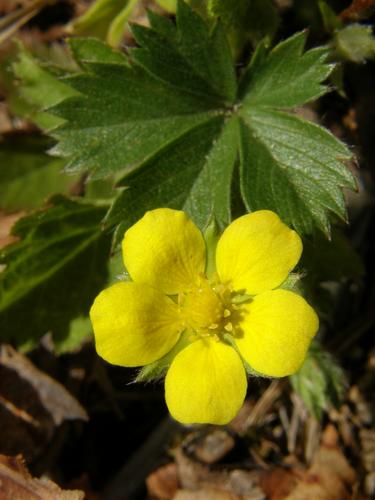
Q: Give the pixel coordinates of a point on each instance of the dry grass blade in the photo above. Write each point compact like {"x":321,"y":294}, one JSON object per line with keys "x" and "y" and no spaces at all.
{"x":13,"y":21}
{"x":265,"y":402}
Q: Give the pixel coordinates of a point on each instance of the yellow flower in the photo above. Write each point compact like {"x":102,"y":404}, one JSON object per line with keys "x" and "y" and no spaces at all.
{"x":234,"y":315}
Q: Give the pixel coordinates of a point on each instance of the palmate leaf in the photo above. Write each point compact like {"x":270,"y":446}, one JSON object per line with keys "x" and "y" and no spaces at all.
{"x":53,"y":272}
{"x":170,"y":121}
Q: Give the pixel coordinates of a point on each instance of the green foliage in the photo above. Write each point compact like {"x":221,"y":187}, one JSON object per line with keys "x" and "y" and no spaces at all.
{"x":158,"y":369}
{"x":355,"y":43}
{"x":39,"y":90}
{"x":168,"y":5}
{"x":173,"y":122}
{"x":105,"y":19}
{"x":331,"y":22}
{"x":320,"y":382}
{"x":91,"y":50}
{"x":80,"y":330}
{"x":284,"y":157}
{"x":244,"y":20}
{"x":53,"y":272}
{"x":27,"y":174}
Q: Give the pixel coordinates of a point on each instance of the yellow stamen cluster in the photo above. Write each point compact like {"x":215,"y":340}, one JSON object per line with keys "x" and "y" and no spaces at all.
{"x":208,"y":309}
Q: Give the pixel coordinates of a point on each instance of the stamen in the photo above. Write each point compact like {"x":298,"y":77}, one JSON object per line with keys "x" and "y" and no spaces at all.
{"x":211,"y":308}
{"x":228,"y":327}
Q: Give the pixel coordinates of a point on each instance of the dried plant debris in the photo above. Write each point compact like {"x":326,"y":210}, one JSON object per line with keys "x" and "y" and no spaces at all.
{"x":16,"y":483}
{"x":328,"y":477}
{"x":163,"y":482}
{"x":275,"y":449}
{"x":32,"y":406}
{"x":6,"y":223}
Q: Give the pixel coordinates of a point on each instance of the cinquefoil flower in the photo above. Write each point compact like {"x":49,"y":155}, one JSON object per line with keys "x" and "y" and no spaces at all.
{"x":236,"y":315}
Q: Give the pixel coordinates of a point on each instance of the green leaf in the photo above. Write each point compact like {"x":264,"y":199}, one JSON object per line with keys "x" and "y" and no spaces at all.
{"x":168,"y":90}
{"x":320,"y":382}
{"x":99,"y":190}
{"x":246,"y":20}
{"x":53,"y":272}
{"x":355,"y":43}
{"x":158,"y":369}
{"x":194,"y":174}
{"x":80,"y":330}
{"x":286,"y":77}
{"x":173,"y":122}
{"x":331,"y":22}
{"x":27,"y":174}
{"x":39,"y":89}
{"x":168,"y":5}
{"x":293,"y":167}
{"x":91,"y":50}
{"x":105,"y":19}
{"x":289,"y":165}
{"x":293,"y":283}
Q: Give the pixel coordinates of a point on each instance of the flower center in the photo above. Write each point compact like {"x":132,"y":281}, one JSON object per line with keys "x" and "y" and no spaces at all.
{"x":208,"y":309}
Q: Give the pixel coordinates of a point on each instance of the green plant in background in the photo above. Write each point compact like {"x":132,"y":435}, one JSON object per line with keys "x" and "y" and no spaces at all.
{"x":353,"y":42}
{"x":105,"y":19}
{"x":170,"y":123}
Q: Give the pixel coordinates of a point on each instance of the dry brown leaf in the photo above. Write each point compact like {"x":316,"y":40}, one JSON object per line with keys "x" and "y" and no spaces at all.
{"x":59,"y":403}
{"x":331,"y":458}
{"x":16,"y":483}
{"x":205,"y":494}
{"x":277,"y":483}
{"x":357,"y":10}
{"x":367,"y":439}
{"x":163,"y":482}
{"x":246,"y":484}
{"x":195,"y":476}
{"x":330,"y":477}
{"x":214,"y":446}
{"x":32,"y":405}
{"x":9,"y":5}
{"x":6,"y":223}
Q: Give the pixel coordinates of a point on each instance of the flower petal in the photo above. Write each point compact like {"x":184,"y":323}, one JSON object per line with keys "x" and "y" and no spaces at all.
{"x":277,"y":329}
{"x":165,"y":250}
{"x":134,"y":324}
{"x":206,"y":383}
{"x":256,"y":252}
